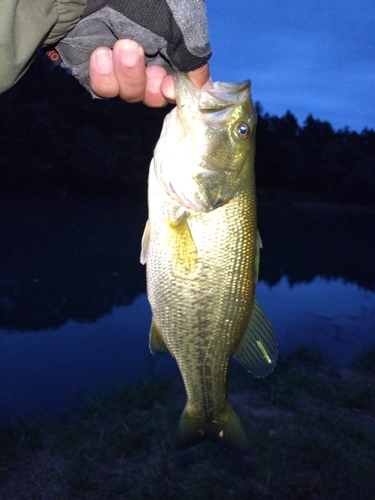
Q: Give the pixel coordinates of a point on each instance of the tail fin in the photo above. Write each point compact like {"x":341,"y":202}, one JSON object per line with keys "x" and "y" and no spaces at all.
{"x":225,"y":430}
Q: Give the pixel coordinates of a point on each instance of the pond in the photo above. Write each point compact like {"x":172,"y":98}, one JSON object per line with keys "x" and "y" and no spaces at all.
{"x":74,"y":316}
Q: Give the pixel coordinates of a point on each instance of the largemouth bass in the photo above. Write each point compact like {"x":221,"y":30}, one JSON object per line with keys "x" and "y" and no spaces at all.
{"x":201,"y":247}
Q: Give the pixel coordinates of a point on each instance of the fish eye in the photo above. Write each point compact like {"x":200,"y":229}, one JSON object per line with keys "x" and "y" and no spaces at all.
{"x":242,"y":130}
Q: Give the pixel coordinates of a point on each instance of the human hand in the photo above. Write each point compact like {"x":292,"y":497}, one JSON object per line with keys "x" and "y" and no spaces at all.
{"x":123,"y":50}
{"x":123,"y":72}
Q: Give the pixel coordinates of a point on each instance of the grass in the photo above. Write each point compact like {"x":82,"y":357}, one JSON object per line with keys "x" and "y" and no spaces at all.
{"x":311,"y":428}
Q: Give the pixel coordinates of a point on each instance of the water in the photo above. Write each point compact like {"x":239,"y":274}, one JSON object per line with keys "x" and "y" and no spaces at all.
{"x":334,"y":318}
{"x":52,"y":369}
{"x":74,"y":315}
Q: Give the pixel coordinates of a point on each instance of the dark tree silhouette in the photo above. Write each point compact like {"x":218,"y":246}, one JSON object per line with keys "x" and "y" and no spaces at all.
{"x":54,"y":137}
{"x":74,"y":257}
{"x":314,"y":159}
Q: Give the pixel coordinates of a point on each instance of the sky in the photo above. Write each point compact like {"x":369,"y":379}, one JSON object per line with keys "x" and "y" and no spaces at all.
{"x":309,"y":57}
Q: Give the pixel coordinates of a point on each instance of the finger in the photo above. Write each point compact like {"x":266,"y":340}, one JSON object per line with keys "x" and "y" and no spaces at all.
{"x":201,"y":77}
{"x":167,"y":89}
{"x":153,"y":96}
{"x":129,"y":66}
{"x":103,"y":80}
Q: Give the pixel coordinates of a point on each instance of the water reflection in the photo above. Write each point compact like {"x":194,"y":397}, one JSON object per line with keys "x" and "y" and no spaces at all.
{"x":303,"y":241}
{"x":334,"y":318}
{"x":48,"y":371}
{"x":63,"y":259}
{"x":73,"y":310}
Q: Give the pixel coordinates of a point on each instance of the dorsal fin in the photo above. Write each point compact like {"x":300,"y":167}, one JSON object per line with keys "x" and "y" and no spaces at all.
{"x":258,"y":350}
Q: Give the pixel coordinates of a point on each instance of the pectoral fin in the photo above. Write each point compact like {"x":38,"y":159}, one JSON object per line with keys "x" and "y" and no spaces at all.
{"x":156,"y":342}
{"x":184,"y":255}
{"x":258,"y":350}
{"x":145,"y":243}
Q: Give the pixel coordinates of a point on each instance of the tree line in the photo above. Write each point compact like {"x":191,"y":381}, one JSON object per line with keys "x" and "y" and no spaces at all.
{"x":313,"y":158}
{"x":54,"y":137}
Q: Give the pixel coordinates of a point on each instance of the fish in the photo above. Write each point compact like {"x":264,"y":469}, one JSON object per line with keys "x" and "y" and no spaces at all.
{"x":201,"y":249}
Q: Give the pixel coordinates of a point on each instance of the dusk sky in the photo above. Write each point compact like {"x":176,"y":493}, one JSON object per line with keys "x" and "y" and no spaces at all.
{"x":313,"y":57}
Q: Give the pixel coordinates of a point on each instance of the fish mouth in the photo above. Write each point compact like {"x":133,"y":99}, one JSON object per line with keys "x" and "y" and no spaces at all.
{"x":219,"y":97}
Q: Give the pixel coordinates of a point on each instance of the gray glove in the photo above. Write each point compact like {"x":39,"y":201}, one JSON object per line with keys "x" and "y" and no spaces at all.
{"x":173,"y":34}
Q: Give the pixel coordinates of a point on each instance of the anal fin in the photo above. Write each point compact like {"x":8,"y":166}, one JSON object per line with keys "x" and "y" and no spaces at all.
{"x":156,"y":342}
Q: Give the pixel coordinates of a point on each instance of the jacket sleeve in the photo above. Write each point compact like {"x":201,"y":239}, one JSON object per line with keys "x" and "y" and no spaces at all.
{"x":26,"y":25}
